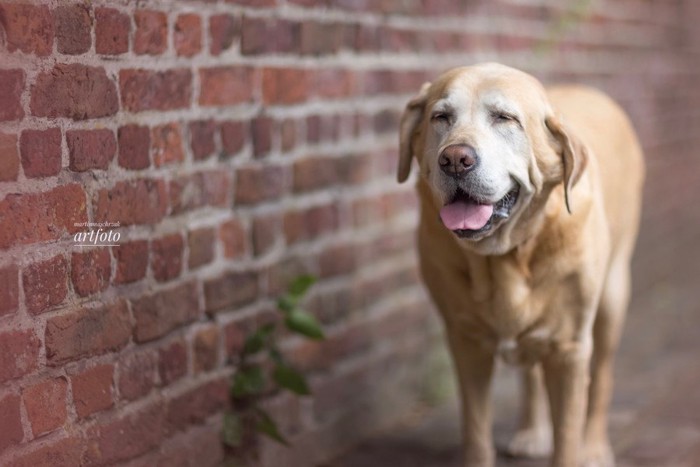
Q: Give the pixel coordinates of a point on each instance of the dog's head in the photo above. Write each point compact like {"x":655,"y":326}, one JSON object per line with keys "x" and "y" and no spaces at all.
{"x":490,"y":149}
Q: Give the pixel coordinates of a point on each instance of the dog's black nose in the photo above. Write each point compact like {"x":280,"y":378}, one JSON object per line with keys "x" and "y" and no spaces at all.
{"x":458,"y":159}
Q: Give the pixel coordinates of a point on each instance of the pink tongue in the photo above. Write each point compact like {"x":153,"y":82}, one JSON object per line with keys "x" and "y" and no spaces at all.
{"x":463,"y":215}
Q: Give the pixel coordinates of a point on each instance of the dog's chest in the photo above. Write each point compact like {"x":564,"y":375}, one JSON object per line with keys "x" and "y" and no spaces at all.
{"x":514,"y":304}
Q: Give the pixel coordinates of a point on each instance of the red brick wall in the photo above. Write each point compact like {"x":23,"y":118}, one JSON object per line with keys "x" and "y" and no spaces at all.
{"x":239,"y":143}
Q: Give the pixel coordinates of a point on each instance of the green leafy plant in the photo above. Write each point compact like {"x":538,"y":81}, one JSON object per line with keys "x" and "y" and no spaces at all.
{"x":262,"y":368}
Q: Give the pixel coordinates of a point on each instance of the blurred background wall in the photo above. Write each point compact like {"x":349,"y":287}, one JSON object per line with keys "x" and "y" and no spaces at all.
{"x":240,"y":143}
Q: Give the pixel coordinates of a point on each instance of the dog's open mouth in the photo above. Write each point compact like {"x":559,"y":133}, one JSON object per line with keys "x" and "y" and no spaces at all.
{"x":470,"y":218}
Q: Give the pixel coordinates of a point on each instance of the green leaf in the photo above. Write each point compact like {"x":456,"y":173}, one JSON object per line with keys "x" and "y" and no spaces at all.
{"x":301,"y":285}
{"x":289,"y":378}
{"x":257,"y":341}
{"x":233,"y":430}
{"x":248,"y":382}
{"x":304,"y":323}
{"x":286,"y":303}
{"x":267,"y":426}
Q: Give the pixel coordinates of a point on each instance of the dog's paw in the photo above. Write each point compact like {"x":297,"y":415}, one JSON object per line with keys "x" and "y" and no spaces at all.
{"x":531,"y":443}
{"x":598,"y":455}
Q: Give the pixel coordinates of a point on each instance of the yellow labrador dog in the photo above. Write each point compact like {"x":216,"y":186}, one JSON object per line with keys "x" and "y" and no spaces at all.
{"x":530,"y":204}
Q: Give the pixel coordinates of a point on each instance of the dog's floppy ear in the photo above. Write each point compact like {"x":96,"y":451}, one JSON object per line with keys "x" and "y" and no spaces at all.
{"x":412,"y":115}
{"x":573,"y":153}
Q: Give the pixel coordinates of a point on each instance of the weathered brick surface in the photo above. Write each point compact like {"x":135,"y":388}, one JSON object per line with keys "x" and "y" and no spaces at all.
{"x":166,"y":257}
{"x":187,"y":38}
{"x":111,"y":31}
{"x":9,"y":157}
{"x":90,"y":271}
{"x":12,"y":432}
{"x":45,"y":284}
{"x":142,"y":201}
{"x":28,"y":28}
{"x":155,"y":90}
{"x":73,"y":25}
{"x":90,"y":149}
{"x":87,"y":332}
{"x":92,"y":390}
{"x":11,"y":86}
{"x":160,"y":313}
{"x":20,"y":353}
{"x":9,"y":294}
{"x":41,"y":152}
{"x":45,"y":404}
{"x":75,"y":91}
{"x":255,"y":140}
{"x":132,"y":261}
{"x":134,"y":147}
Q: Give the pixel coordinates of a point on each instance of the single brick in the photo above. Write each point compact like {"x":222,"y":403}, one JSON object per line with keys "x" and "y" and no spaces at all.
{"x":221,"y":86}
{"x":12,"y":432}
{"x":197,"y":404}
{"x":337,"y":260}
{"x":112,"y":30}
{"x":9,"y":157}
{"x":41,"y":152}
{"x":87,"y":331}
{"x":73,"y":28}
{"x":208,"y":188}
{"x":151,"y":35}
{"x":90,"y":271}
{"x":166,"y":257}
{"x":74,"y":91}
{"x":267,"y":35}
{"x":333,"y":83}
{"x":63,"y":451}
{"x":90,"y":149}
{"x":166,"y":141}
{"x":132,"y":261}
{"x":233,"y":136}
{"x":223,"y":29}
{"x":288,"y":134}
{"x":265,"y":232}
{"x":35,"y":217}
{"x":137,"y":374}
{"x":172,"y":361}
{"x":320,"y":38}
{"x":187,"y":36}
{"x":126,"y":437}
{"x":233,"y":237}
{"x":201,"y":244}
{"x":231,"y":290}
{"x":261,"y":135}
{"x":258,"y":184}
{"x":19,"y":351}
{"x":92,"y":390}
{"x":206,"y":349}
{"x":45,"y":284}
{"x":163,"y":311}
{"x":141,"y":201}
{"x":45,"y":403}
{"x":202,"y":142}
{"x":315,"y":172}
{"x":11,"y":88}
{"x":9,"y":293}
{"x":284,"y":85}
{"x":28,"y":28}
{"x":308,"y":224}
{"x":155,"y":90}
{"x":134,"y":147}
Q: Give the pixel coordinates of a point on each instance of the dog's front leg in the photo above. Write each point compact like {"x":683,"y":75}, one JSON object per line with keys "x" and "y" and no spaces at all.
{"x":567,"y":377}
{"x":474,"y":365}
